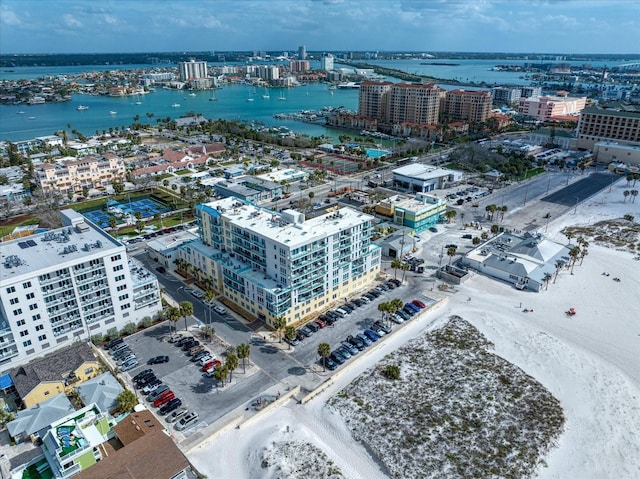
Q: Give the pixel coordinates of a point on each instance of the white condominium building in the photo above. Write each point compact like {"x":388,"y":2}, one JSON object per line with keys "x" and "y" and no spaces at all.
{"x":192,"y":70}
{"x":68,"y":284}
{"x":279,"y":264}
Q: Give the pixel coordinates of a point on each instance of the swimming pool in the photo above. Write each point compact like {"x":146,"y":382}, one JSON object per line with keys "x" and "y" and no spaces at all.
{"x":375,"y":153}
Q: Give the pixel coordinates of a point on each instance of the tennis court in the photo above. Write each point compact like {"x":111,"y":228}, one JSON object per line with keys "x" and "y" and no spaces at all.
{"x":98,"y":217}
{"x":145,"y":207}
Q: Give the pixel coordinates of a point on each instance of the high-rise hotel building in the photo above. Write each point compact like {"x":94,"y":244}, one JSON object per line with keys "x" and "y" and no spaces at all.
{"x":272,"y":264}
{"x":192,"y":70}
{"x":68,"y":284}
{"x":619,"y":122}
{"x":473,"y":106}
{"x":399,"y":103}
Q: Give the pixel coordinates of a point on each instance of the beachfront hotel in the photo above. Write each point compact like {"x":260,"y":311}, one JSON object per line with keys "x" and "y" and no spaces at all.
{"x":66,"y":285}
{"x":270,"y":264}
{"x":71,"y":175}
{"x":619,"y":122}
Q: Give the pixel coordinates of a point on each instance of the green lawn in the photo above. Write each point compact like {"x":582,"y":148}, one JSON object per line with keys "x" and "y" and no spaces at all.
{"x":5,"y":230}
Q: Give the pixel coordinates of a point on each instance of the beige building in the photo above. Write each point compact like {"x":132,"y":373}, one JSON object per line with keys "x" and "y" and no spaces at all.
{"x":473,"y":106}
{"x":371,"y":99}
{"x":607,"y":152}
{"x":413,"y":103}
{"x":619,"y":122}
{"x":547,"y":108}
{"x":74,"y":175}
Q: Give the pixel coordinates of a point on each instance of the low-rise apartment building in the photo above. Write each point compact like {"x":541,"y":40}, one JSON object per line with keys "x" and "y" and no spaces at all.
{"x":74,"y":175}
{"x":270,"y":264}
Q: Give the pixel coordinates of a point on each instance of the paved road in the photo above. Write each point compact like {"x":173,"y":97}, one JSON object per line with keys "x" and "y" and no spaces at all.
{"x":582,"y":189}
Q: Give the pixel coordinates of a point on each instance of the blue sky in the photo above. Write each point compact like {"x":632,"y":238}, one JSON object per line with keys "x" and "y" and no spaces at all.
{"x":106,"y":26}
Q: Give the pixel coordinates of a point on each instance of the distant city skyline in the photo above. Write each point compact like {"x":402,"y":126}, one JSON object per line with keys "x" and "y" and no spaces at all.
{"x":536,"y":26}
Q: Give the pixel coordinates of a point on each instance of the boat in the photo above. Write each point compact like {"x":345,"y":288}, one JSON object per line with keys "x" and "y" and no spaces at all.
{"x":249,"y":99}
{"x":32,"y":118}
{"x":112,"y":112}
{"x":192,"y":94}
{"x":82,"y":107}
{"x":138,"y":103}
{"x":281,"y":97}
{"x":266,"y":94}
{"x":213,"y":96}
{"x":175,"y":105}
{"x":20,"y":113}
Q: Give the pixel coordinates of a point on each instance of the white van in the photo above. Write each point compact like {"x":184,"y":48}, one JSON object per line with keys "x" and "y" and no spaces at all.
{"x":341,"y":312}
{"x":220,"y":310}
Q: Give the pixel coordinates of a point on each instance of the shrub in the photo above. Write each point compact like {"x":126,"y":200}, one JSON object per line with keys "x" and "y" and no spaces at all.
{"x":392,"y":372}
{"x":128,"y":329}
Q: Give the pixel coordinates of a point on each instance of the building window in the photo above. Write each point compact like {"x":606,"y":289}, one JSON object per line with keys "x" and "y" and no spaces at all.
{"x":11,"y":289}
{"x":17,"y":312}
{"x":31,"y":295}
{"x":116,"y":257}
{"x":120,"y":278}
{"x":14,"y":300}
{"x":42,"y":337}
{"x":123,"y":297}
{"x":24,"y":333}
{"x":36,"y":317}
{"x":27,"y":343}
{"x":33,"y":306}
{"x":125,"y":306}
{"x":20,"y":323}
{"x":26,"y":285}
{"x":122,"y":287}
{"x":40,"y":327}
{"x":46,"y":393}
{"x":118,"y":268}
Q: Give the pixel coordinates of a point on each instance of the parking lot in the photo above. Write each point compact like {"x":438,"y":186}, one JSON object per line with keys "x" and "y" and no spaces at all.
{"x":198,"y":392}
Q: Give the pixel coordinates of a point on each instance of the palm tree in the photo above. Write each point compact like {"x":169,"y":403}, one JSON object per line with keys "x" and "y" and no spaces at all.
{"x":396,"y":264}
{"x":503,"y":210}
{"x":574,"y":253}
{"x":324,"y":349}
{"x":126,"y":401}
{"x":462,"y":219}
{"x":279,"y":324}
{"x":290,"y":333}
{"x":172,"y":314}
{"x":559,"y":265}
{"x":221,"y":373}
{"x":395,"y":305}
{"x":243,"y":350}
{"x":546,"y":279}
{"x":569,"y":235}
{"x":583,"y":252}
{"x":451,"y":252}
{"x":405,"y":267}
{"x":231,"y":364}
{"x":209,"y":296}
{"x":495,"y":229}
{"x":186,"y":310}
{"x":634,"y":193}
{"x":208,"y":331}
{"x":626,"y":193}
{"x":383,"y":308}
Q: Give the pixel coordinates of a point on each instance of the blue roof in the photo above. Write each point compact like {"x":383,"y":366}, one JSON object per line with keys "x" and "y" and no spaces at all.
{"x":6,"y":381}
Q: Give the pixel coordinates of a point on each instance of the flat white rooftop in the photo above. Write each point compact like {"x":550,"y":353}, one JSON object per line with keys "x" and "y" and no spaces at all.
{"x":25,"y":256}
{"x":422,"y":172}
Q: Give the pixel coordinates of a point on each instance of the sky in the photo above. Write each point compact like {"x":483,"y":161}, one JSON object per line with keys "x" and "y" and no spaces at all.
{"x":115,"y":26}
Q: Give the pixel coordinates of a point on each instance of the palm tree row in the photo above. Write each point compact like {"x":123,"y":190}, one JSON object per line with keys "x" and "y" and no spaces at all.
{"x":390,"y":307}
{"x":632,"y":193}
{"x":398,"y":264}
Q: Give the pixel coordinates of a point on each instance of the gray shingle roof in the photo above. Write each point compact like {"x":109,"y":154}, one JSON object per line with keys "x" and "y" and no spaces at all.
{"x":102,"y":390}
{"x":40,"y":416}
{"x":52,"y":367}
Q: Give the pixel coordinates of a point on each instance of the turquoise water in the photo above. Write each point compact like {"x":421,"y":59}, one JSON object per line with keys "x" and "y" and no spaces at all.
{"x":374,"y":153}
{"x":231,"y":104}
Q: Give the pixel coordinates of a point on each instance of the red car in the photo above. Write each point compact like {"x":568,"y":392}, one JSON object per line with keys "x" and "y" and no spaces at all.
{"x":419,"y":303}
{"x":211,"y":364}
{"x":164,"y":398}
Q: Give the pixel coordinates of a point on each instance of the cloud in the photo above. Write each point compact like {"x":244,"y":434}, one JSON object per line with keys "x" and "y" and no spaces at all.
{"x":110,"y":19}
{"x":9,"y":17}
{"x":71,"y":21}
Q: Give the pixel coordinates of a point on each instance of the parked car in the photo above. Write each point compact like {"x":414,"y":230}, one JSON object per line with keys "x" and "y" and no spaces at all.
{"x":300,"y":336}
{"x":408,"y":311}
{"x":161,"y":269}
{"x":385,"y":328}
{"x":157,"y":392}
{"x":337,"y":357}
{"x":341,"y":312}
{"x":149,"y":388}
{"x":306,"y":331}
{"x":198,"y":356}
{"x":170,"y":406}
{"x":412,"y":306}
{"x":122,"y":353}
{"x":372,"y":335}
{"x":187,"y":421}
{"x":397,"y":282}
{"x":357,"y":342}
{"x":321,"y":323}
{"x":204,"y":359}
{"x":142,"y":382}
{"x":364,"y":339}
{"x":329,"y":363}
{"x":195,"y":349}
{"x":164,"y":398}
{"x":395,"y":318}
{"x":391,"y":285}
{"x":177,"y":414}
{"x":141,"y":374}
{"x":176,"y":337}
{"x":313,"y":327}
{"x":333,"y":314}
{"x":346,"y":354}
{"x":158,"y":360}
{"x":113,"y":343}
{"x":374,"y":293}
{"x":419,"y":303}
{"x":403,"y":315}
{"x":189,"y":344}
{"x":370,"y":297}
{"x":183,"y":340}
{"x":125,"y":359}
{"x":130,"y":364}
{"x":359,"y":302}
{"x":350,"y":347}
{"x":347,"y":308}
{"x":118,"y":347}
{"x":220,"y":310}
{"x":211,"y":365}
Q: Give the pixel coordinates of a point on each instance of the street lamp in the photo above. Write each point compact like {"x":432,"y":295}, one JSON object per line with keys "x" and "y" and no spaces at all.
{"x":576,"y":208}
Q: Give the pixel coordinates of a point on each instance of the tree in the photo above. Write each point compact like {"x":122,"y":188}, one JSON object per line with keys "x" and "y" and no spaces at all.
{"x":231,"y":364}
{"x":476,"y":240}
{"x":573,"y":254}
{"x":626,"y":193}
{"x":220,"y":373}
{"x":633,"y":194}
{"x":462,"y":219}
{"x":495,"y":229}
{"x":243,"y":351}
{"x":290,"y":333}
{"x":172,"y":314}
{"x":405,"y":267}
{"x":559,"y":265}
{"x":186,"y":310}
{"x":209,"y":296}
{"x":113,"y":222}
{"x":5,"y":417}
{"x":279,"y":323}
{"x":208,"y":331}
{"x":383,"y":308}
{"x":546,"y":279}
{"x":311,"y":195}
{"x":396,"y":264}
{"x":324,"y":349}
{"x":451,"y":252}
{"x":395,"y":305}
{"x":449,"y":214}
{"x":139,"y":226}
{"x":126,"y":401}
{"x":118,"y":187}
